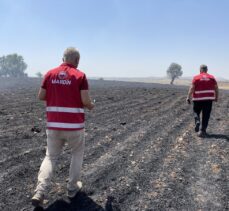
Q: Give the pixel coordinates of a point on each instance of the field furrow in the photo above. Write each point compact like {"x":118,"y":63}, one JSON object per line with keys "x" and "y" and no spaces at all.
{"x":141,"y":151}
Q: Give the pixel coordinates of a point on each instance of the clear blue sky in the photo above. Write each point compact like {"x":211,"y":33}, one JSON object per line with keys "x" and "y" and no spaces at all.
{"x":119,"y":38}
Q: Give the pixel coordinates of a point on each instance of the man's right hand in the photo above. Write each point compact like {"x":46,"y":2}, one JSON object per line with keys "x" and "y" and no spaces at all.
{"x":188,"y":100}
{"x":90,"y":106}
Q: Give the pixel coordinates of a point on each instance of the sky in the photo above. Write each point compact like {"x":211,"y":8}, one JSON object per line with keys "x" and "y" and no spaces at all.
{"x":118,"y":38}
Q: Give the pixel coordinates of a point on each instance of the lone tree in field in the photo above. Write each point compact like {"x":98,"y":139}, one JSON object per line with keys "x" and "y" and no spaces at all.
{"x":39,"y":74}
{"x":12,"y":65}
{"x":174,"y":71}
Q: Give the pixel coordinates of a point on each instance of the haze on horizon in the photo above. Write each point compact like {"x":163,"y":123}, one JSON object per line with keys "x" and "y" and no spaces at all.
{"x":119,"y":38}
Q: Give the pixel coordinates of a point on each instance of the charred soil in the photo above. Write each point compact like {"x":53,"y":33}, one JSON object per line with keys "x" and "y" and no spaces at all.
{"x":141,"y":150}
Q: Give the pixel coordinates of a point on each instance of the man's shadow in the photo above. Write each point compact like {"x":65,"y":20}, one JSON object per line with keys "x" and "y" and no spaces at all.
{"x":218,"y":136}
{"x":81,"y":202}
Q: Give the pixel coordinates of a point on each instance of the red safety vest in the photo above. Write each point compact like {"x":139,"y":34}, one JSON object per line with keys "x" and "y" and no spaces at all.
{"x":204,"y":87}
{"x":63,"y":100}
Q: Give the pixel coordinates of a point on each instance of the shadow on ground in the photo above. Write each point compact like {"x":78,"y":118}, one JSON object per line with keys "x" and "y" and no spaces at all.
{"x":218,"y":136}
{"x":82,"y":202}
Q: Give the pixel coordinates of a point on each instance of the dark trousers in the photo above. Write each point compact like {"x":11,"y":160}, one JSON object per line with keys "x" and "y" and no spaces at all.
{"x":205,"y":107}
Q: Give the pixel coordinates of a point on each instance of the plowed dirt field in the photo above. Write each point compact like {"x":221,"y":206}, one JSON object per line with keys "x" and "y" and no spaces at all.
{"x":141,"y":150}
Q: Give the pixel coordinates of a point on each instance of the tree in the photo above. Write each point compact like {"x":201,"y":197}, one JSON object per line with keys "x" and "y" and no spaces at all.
{"x":174,"y":71}
{"x":39,"y":74}
{"x":12,"y":65}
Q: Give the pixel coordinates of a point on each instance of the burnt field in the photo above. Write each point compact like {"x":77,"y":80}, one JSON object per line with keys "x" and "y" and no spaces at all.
{"x":141,"y":150}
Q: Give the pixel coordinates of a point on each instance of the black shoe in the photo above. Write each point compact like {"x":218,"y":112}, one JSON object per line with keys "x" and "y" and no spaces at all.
{"x":202,"y":134}
{"x":197,"y":127}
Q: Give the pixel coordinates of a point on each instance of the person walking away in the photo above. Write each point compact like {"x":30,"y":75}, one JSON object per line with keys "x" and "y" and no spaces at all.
{"x":65,"y":90}
{"x":203,"y":91}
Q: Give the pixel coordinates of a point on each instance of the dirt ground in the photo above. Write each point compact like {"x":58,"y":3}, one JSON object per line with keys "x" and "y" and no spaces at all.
{"x":141,"y":151}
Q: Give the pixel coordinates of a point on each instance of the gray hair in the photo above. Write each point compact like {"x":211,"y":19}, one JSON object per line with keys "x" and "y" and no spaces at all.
{"x":203,"y":68}
{"x":71,"y":55}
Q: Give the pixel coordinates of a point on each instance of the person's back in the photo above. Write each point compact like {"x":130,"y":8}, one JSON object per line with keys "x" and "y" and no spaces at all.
{"x":204,"y":87}
{"x":63,"y":97}
{"x":203,"y":91}
{"x":65,"y":90}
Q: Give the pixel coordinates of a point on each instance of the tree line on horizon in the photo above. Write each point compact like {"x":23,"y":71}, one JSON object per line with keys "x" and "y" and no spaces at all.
{"x":13,"y":65}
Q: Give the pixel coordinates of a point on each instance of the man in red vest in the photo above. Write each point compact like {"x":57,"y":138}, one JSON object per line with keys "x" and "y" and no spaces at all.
{"x":65,"y":90}
{"x":203,"y":91}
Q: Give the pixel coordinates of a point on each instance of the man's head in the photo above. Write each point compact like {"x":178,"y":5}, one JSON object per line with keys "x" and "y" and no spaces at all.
{"x":71,"y":56}
{"x":203,"y":68}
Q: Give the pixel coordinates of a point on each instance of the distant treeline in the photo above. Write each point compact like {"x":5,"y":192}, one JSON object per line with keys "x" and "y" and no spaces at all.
{"x":12,"y":65}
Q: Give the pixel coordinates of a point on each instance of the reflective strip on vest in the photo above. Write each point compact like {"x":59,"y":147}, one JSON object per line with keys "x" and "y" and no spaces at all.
{"x":64,"y":109}
{"x":65,"y":125}
{"x":203,"y":98}
{"x":204,"y":91}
